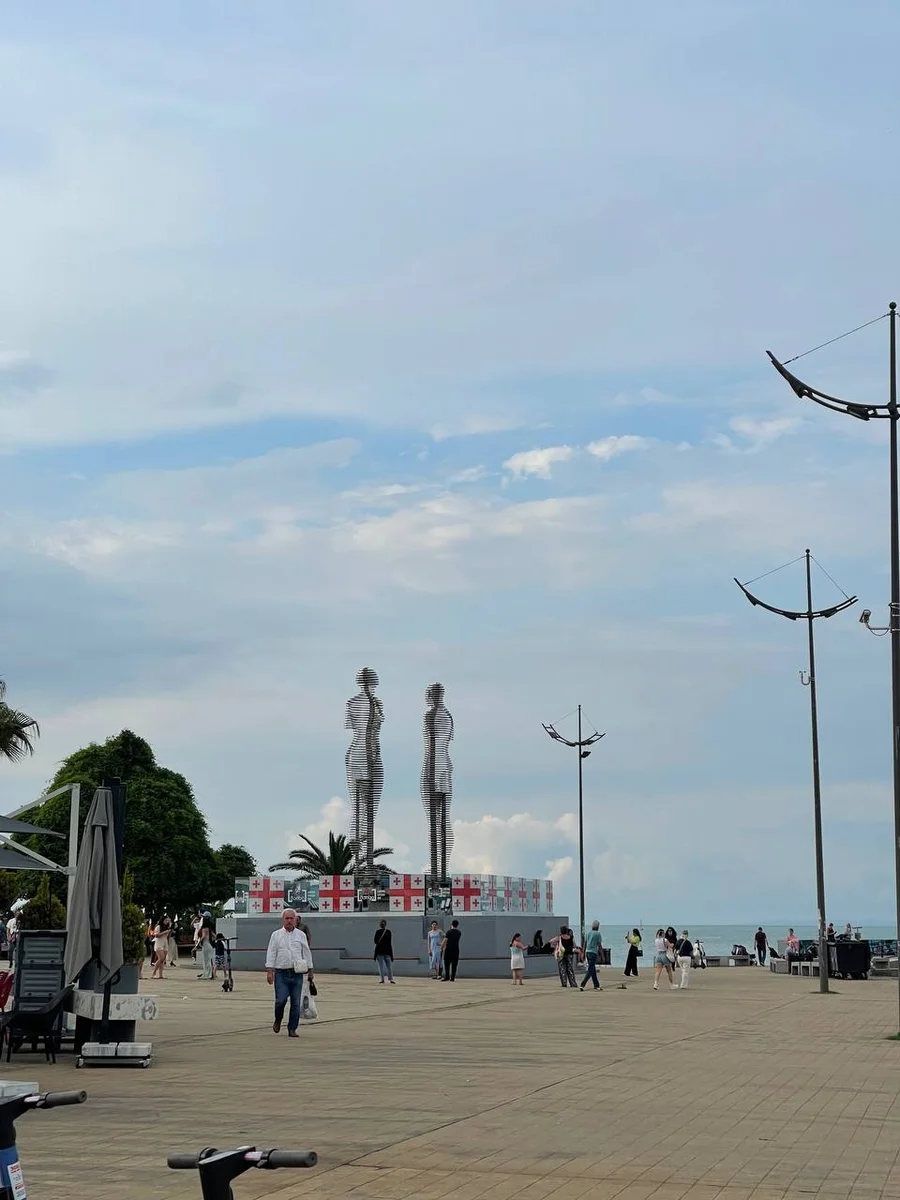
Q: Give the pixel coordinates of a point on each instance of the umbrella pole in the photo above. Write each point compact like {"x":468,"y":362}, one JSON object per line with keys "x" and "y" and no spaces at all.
{"x":104,"y":1014}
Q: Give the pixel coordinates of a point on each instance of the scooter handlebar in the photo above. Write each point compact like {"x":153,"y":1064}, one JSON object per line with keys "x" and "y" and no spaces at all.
{"x":269,"y":1160}
{"x":290,"y":1158}
{"x":183,"y":1162}
{"x":58,"y":1099}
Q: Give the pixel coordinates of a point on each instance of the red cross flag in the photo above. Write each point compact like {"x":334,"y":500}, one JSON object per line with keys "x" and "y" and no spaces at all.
{"x":407,"y":893}
{"x":266,"y":894}
{"x":466,"y":892}
{"x":336,"y":893}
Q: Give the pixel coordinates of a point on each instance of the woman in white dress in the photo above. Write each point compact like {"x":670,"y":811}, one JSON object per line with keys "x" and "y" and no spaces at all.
{"x":517,"y":959}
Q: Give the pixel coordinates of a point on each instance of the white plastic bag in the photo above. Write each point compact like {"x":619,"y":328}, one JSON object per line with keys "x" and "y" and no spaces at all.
{"x":308,"y":1009}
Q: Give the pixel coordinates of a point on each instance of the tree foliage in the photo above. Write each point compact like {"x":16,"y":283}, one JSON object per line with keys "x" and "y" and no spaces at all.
{"x":43,"y":910}
{"x":230,"y":862}
{"x":166,"y":844}
{"x":18,"y":731}
{"x":10,"y":888}
{"x":311,"y":861}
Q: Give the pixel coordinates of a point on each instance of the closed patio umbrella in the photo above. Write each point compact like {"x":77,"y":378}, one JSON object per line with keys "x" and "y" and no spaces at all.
{"x":95,"y":912}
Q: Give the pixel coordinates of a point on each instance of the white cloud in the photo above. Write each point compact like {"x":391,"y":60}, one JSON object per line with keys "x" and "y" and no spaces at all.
{"x":559,"y":868}
{"x":495,"y":845}
{"x":539,"y":463}
{"x":468,"y":475}
{"x":609,"y":448}
{"x":756,"y":434}
{"x":334,"y":817}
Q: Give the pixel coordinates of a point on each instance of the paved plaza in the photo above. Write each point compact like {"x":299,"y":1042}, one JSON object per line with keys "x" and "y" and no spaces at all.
{"x":747,"y":1085}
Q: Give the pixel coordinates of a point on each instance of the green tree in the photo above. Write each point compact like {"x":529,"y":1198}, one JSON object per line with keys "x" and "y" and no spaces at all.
{"x":43,"y":910}
{"x":229,"y":863}
{"x":17,"y":730}
{"x":10,"y":889}
{"x":311,"y":861}
{"x":166,"y":844}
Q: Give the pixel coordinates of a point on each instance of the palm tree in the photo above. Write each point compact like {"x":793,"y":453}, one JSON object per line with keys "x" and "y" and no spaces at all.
{"x":17,"y":730}
{"x":311,"y":861}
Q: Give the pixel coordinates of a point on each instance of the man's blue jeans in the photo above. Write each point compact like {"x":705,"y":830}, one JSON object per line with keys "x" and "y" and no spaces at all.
{"x":591,"y":972}
{"x":288,"y":986}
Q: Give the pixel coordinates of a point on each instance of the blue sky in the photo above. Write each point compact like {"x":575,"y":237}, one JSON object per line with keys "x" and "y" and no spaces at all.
{"x":433,"y":338}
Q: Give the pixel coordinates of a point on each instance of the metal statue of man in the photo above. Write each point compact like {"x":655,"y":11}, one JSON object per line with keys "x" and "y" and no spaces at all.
{"x":437,"y":778}
{"x":365,"y":771}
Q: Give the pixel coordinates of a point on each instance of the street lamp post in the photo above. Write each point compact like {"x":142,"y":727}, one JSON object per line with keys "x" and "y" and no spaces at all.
{"x":868,"y":412}
{"x":810,"y":616}
{"x":581,"y":745}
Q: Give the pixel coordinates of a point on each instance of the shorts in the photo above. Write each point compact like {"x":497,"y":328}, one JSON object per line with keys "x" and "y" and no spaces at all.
{"x":662,"y":961}
{"x":220,"y":962}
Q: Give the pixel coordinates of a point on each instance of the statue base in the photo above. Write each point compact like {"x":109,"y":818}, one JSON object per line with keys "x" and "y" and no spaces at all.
{"x":344,"y":943}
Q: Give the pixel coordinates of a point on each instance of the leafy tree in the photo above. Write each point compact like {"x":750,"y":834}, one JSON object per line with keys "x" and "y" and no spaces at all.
{"x":17,"y":730}
{"x":10,"y":888}
{"x":229,"y":863}
{"x":43,"y":910}
{"x":166,"y":844}
{"x":134,"y":926}
{"x":311,"y":861}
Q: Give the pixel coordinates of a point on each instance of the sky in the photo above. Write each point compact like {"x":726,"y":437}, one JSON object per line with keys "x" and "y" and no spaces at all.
{"x":432,"y":338}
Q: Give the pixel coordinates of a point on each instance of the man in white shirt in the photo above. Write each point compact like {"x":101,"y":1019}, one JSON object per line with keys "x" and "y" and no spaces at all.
{"x":288,"y":948}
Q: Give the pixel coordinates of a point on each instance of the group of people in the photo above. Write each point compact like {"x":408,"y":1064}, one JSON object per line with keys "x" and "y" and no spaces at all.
{"x":208,"y":947}
{"x":669,"y":951}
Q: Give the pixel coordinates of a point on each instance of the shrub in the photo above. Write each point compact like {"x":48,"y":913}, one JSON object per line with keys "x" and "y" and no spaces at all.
{"x":43,"y":911}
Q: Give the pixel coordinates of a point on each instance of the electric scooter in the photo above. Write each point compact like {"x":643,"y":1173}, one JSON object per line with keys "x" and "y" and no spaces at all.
{"x":219,"y":1167}
{"x":12,"y":1182}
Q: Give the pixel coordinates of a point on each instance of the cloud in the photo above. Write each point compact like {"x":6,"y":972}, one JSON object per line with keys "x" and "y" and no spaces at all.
{"x":757,"y":434}
{"x":539,"y":463}
{"x":609,"y":448}
{"x":558,"y":868}
{"x":334,"y":818}
{"x":20,"y":374}
{"x":493,"y":845}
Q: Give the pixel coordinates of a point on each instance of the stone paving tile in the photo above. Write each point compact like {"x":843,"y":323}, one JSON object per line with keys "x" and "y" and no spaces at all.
{"x":747,"y":1087}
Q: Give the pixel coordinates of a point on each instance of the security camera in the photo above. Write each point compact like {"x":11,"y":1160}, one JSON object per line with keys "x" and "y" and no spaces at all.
{"x":864,"y":616}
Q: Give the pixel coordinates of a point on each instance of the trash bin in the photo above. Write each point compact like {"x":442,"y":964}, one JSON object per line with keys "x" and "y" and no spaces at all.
{"x":851,"y":959}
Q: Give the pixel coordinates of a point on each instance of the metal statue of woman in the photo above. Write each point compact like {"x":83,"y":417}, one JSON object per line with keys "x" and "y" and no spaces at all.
{"x":365,"y":771}
{"x":437,"y":778}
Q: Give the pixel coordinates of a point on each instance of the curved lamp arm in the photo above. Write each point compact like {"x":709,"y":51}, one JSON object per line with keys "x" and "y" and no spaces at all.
{"x":796,"y":616}
{"x":863,"y":412}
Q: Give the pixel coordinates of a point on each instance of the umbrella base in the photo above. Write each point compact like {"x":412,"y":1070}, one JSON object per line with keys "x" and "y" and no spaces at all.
{"x":115,"y":1054}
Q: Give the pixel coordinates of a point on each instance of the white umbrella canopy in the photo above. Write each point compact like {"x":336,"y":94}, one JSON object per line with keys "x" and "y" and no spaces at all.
{"x":94,"y":920}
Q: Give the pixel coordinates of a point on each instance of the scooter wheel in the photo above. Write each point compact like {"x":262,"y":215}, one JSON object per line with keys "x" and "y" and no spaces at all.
{"x":79,"y":1063}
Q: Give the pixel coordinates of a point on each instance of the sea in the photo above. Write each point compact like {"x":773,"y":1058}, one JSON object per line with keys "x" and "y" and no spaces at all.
{"x":718,"y":939}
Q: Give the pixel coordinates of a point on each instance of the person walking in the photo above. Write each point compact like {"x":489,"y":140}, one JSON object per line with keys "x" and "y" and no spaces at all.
{"x":592,"y":947}
{"x":435,"y":937}
{"x":384,"y":953}
{"x":450,"y":947}
{"x":517,"y":959}
{"x":207,"y":956}
{"x":564,"y":952}
{"x":685,"y":955}
{"x":762,"y":946}
{"x":633,"y":941}
{"x":289,"y":962}
{"x":161,"y":947}
{"x":663,"y":958}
